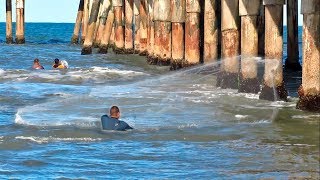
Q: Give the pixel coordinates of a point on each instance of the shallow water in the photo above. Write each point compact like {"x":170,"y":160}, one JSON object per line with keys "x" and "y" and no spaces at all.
{"x":185,"y":127}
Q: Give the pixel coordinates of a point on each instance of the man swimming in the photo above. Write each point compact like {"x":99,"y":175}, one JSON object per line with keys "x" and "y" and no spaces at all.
{"x":36,"y":64}
{"x":60,"y":64}
{"x":112,"y":121}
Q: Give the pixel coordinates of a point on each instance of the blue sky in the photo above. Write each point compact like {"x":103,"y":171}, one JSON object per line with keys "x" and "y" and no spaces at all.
{"x":56,"y":11}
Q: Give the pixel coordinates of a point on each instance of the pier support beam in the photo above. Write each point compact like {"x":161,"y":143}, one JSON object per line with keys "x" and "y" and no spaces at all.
{"x":230,"y":44}
{"x":292,"y":61}
{"x":249,"y":11}
{"x":150,"y":31}
{"x":85,"y":20}
{"x":9,"y":39}
{"x":128,"y":45}
{"x":273,"y":87}
{"x":192,"y":33}
{"x":309,"y":91}
{"x":104,"y":45}
{"x":136,"y":7}
{"x":143,"y":28}
{"x":20,"y":22}
{"x":210,"y":31}
{"x":87,"y":45}
{"x":118,"y":27}
{"x":261,"y":29}
{"x":75,"y":36}
{"x":105,"y":8}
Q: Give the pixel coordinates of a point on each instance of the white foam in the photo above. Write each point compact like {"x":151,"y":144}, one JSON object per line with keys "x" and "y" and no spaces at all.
{"x":41,"y":140}
{"x":2,"y":72}
{"x":238,"y":116}
{"x":306,"y":116}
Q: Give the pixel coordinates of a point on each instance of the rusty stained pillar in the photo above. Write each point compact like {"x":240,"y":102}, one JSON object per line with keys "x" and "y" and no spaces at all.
{"x":249,"y":11}
{"x":143,"y":28}
{"x":309,"y":91}
{"x":75,"y":36}
{"x":96,"y":29}
{"x":292,"y":61}
{"x":261,"y":29}
{"x":128,"y":44}
{"x":105,"y":7}
{"x":9,"y":39}
{"x":156,"y":39}
{"x":118,"y":27}
{"x":85,"y":20}
{"x":230,"y":44}
{"x":192,"y":33}
{"x":20,"y":22}
{"x":87,"y":45}
{"x":210,"y":31}
{"x":178,"y":18}
{"x":150,"y":38}
{"x":106,"y":34}
{"x":136,"y":13}
{"x":273,"y":87}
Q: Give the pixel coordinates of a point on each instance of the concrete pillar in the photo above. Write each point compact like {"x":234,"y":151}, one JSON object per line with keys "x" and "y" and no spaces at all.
{"x":150,"y":39}
{"x":292,"y":61}
{"x":143,"y":28}
{"x":210,"y":31}
{"x":230,"y":44}
{"x":20,"y":22}
{"x":273,"y":87}
{"x":9,"y":39}
{"x":192,"y":33}
{"x":87,"y":45}
{"x":103,"y":47}
{"x":111,"y":40}
{"x":136,"y":12}
{"x":105,"y":7}
{"x":178,"y":18}
{"x":128,"y":45}
{"x":153,"y":59}
{"x":118,"y":27}
{"x":309,"y":91}
{"x":75,"y":36}
{"x":85,"y":20}
{"x":249,"y":11}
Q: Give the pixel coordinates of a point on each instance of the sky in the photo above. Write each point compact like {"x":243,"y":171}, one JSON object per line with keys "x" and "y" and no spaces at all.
{"x":59,"y":11}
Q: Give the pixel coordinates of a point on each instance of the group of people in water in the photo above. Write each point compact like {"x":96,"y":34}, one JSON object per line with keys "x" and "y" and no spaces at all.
{"x":57,"y":64}
{"x":108,"y":122}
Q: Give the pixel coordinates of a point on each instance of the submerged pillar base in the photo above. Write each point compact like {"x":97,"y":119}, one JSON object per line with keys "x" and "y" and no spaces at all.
{"x":20,"y":40}
{"x":274,"y":93}
{"x":228,"y":80}
{"x":152,"y":60}
{"x":143,"y":53}
{"x":103,"y":49}
{"x":129,"y":51}
{"x":308,"y":102}
{"x":9,"y":40}
{"x":75,"y":39}
{"x":251,"y":85}
{"x":86,"y":50}
{"x":118,"y":50}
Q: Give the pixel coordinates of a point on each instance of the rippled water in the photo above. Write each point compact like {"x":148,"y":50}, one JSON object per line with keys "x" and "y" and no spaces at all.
{"x":185,"y":127}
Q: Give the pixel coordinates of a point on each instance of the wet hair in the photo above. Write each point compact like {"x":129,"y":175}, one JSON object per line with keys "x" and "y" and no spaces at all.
{"x":114,"y":110}
{"x":56,"y":61}
{"x":36,"y":60}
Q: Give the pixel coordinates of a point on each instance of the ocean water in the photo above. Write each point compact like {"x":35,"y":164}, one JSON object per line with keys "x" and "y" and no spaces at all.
{"x":185,"y":127}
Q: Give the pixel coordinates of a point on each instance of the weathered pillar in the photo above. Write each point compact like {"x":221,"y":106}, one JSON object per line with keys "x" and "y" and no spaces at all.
{"x":230,"y":44}
{"x":9,"y":39}
{"x":156,"y":45}
{"x":249,"y":11}
{"x":164,"y":18}
{"x":292,"y":61}
{"x":75,"y":36}
{"x":103,"y":47}
{"x":273,"y":88}
{"x":210,"y":31}
{"x":150,"y":30}
{"x":136,"y":12}
{"x":128,"y":44}
{"x":118,"y":27}
{"x":111,"y":40}
{"x":103,"y":13}
{"x":192,"y":33}
{"x":97,"y":28}
{"x":309,"y":91}
{"x":85,"y":20}
{"x":143,"y":28}
{"x":178,"y":18}
{"x":20,"y":22}
{"x":87,"y":45}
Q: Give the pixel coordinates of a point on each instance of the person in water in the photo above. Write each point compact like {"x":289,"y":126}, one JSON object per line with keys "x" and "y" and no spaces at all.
{"x":112,"y":121}
{"x":36,"y":64}
{"x":58,"y":64}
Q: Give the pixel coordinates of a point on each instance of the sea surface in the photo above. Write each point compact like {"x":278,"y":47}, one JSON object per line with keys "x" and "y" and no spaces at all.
{"x":185,"y":126}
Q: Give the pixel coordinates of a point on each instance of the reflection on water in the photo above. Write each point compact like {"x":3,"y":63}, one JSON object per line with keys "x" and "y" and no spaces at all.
{"x":185,"y":126}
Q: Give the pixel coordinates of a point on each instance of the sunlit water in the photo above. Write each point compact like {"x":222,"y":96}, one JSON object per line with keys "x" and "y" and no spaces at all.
{"x":185,"y":126}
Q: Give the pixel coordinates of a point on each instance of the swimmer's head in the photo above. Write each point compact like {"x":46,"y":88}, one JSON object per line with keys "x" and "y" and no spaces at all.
{"x":115,"y":112}
{"x":36,"y":60}
{"x":56,"y":61}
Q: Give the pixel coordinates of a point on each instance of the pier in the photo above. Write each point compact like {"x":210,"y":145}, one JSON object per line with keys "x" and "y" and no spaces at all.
{"x":184,"y":33}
